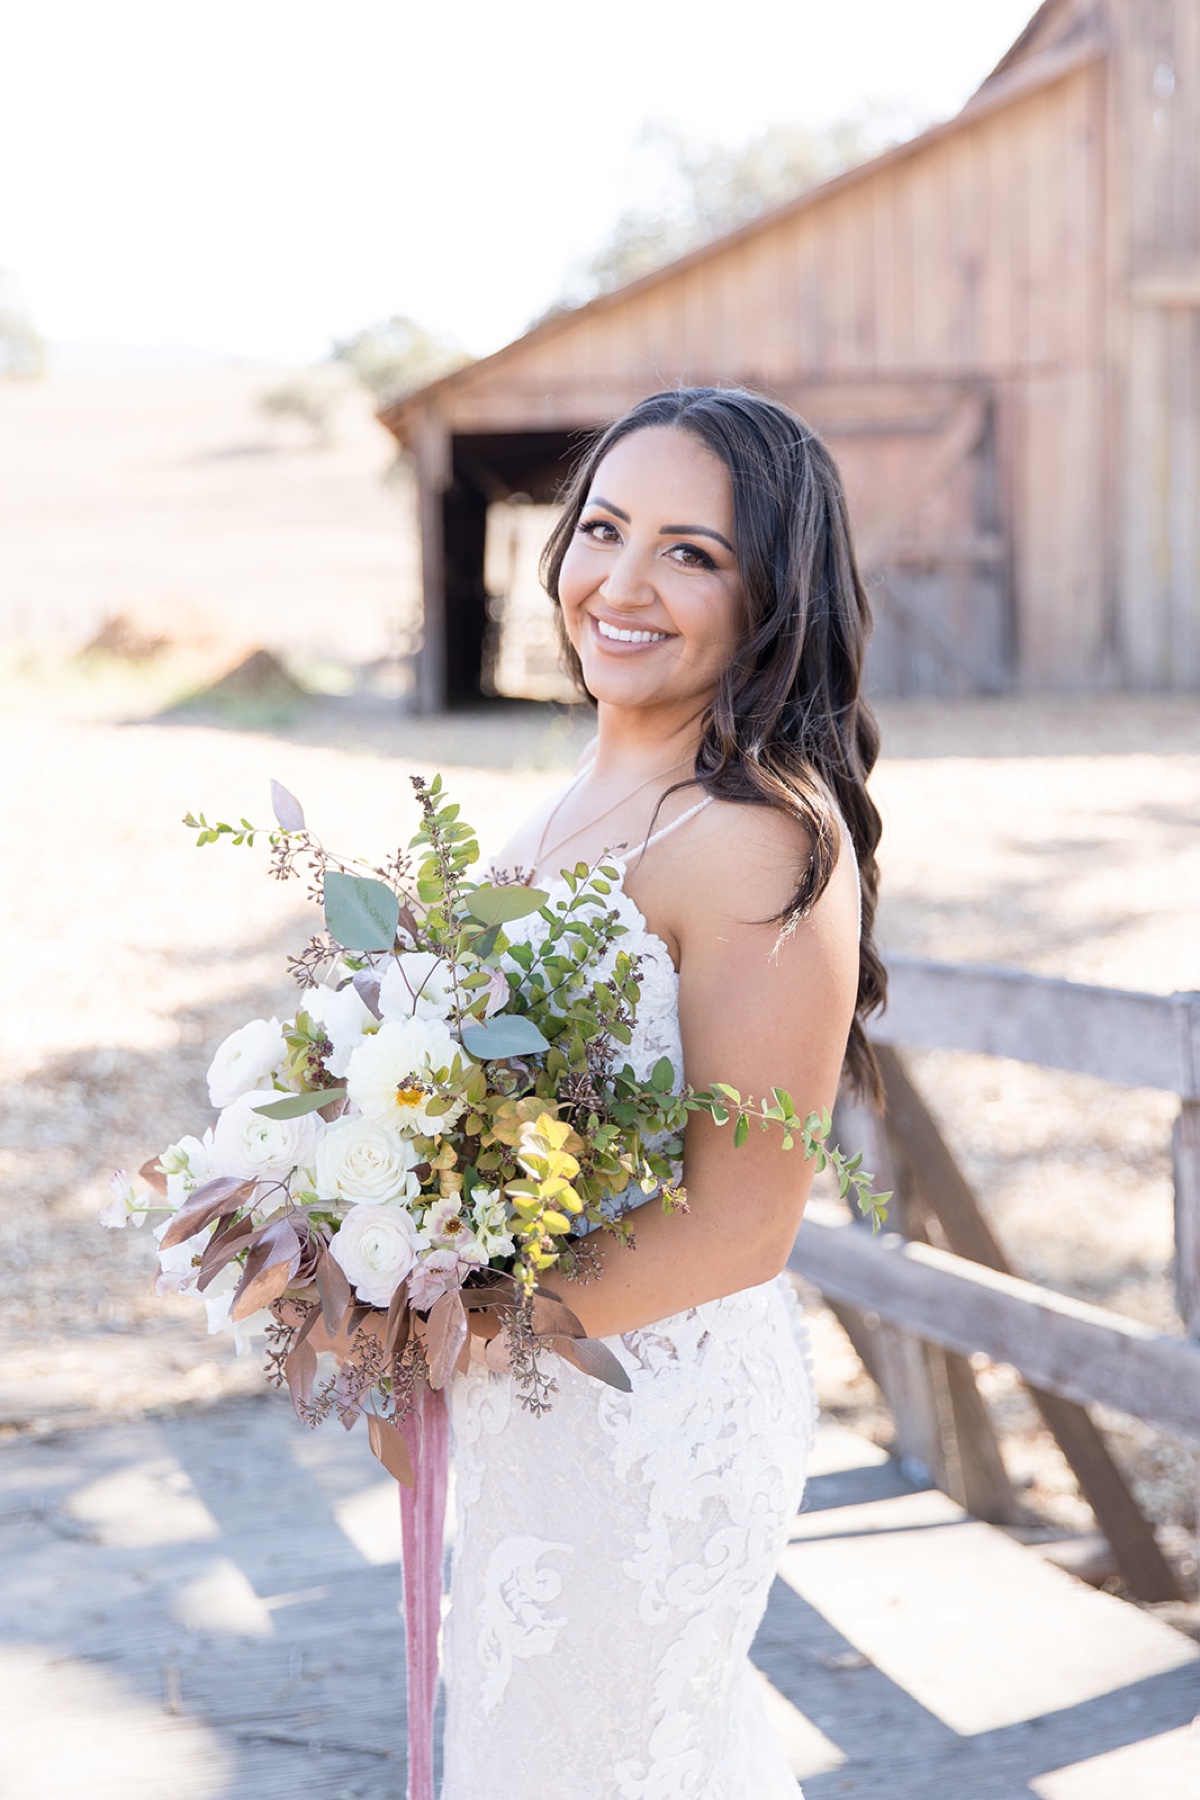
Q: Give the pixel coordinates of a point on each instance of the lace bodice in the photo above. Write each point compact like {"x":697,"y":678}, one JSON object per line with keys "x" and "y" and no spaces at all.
{"x":613,"y":1558}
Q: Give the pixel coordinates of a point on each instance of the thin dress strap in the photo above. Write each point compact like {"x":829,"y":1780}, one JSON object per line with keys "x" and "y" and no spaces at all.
{"x":673,"y":826}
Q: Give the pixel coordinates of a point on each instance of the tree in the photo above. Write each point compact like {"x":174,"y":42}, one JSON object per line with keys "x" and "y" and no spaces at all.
{"x":396,"y":356}
{"x":706,"y":188}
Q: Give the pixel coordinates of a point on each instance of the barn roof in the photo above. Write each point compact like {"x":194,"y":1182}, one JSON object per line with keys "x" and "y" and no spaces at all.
{"x":1061,"y":37}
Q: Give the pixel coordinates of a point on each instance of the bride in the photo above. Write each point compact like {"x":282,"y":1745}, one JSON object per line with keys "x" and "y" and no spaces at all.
{"x":613,"y":1557}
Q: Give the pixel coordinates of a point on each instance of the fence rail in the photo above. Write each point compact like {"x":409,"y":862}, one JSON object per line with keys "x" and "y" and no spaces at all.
{"x":917,"y":1312}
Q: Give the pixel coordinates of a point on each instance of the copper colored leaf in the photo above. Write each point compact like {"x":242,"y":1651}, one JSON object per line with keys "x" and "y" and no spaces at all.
{"x":153,"y":1176}
{"x":388,"y":1444}
{"x":300,"y":1369}
{"x":594,"y":1358}
{"x":223,"y":1247}
{"x":223,"y":1195}
{"x":497,"y":1354}
{"x":396,"y":1331}
{"x":334,"y":1290}
{"x":269,"y":1268}
{"x":286,"y":807}
{"x":552,"y":1319}
{"x":445,"y":1335}
{"x":494,"y":1294}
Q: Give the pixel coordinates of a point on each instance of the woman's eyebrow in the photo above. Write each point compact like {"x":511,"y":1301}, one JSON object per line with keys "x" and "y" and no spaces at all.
{"x":599,"y":500}
{"x":695,"y":531}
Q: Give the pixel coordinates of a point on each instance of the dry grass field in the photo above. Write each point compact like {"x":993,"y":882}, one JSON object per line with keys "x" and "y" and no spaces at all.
{"x":1060,"y":837}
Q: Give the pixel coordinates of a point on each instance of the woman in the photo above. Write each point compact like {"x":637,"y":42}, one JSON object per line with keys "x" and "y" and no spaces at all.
{"x":613,"y":1557}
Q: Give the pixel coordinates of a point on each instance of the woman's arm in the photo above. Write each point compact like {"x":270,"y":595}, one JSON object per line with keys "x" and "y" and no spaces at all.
{"x":755,"y":1019}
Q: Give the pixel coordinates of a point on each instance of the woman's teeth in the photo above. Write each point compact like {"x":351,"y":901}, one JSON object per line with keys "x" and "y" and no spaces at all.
{"x":628,"y":637}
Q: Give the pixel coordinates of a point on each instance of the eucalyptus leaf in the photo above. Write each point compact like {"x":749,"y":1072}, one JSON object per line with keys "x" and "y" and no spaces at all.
{"x":294,"y":1106}
{"x":287,"y":809}
{"x":508,"y":1034}
{"x":362,"y":914}
{"x":498,"y":905}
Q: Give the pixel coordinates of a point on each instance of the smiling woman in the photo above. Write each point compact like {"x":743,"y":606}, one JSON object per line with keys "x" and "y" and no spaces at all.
{"x":620,"y":1549}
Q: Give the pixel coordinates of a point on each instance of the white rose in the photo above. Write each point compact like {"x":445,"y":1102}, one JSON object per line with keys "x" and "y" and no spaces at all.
{"x":246,"y":1060}
{"x":390,"y":1076}
{"x":417,"y":985}
{"x":247,"y":1145}
{"x":365,"y":1162}
{"x":345,"y":1018}
{"x":377,"y":1247}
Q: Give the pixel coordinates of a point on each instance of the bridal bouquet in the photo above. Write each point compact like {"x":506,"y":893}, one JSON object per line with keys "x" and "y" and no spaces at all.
{"x":442,"y":1120}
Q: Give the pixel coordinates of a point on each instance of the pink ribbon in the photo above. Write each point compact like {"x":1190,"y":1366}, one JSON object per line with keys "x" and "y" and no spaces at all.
{"x":426,"y":1431}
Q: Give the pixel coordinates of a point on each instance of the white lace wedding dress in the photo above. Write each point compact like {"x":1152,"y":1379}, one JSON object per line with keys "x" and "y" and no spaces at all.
{"x":613,"y":1557}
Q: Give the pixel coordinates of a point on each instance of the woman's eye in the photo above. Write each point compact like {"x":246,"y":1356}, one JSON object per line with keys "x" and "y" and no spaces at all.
{"x":692,"y":556}
{"x":601,"y":531}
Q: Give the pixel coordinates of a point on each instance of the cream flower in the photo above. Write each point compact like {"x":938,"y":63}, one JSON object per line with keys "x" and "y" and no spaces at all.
{"x":392,"y":1075}
{"x":187,"y":1165}
{"x":247,"y":1144}
{"x":246,"y":1060}
{"x":365,"y":1162}
{"x":446,"y":1229}
{"x":126,"y":1203}
{"x":417,"y":985}
{"x":377,"y":1247}
{"x":438,"y":1273}
{"x":218,"y":1298}
{"x":345,"y":1019}
{"x":490,"y":1217}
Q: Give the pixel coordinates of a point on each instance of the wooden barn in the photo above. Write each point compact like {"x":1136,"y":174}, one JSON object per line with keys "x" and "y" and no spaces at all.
{"x":996,"y":326}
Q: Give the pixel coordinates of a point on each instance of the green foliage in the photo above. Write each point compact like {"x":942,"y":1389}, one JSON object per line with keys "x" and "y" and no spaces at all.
{"x":360,"y":912}
{"x":397,"y":355}
{"x":701,"y":189}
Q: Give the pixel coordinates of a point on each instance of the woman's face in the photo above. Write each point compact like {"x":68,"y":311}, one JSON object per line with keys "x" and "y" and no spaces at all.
{"x":650,"y":590}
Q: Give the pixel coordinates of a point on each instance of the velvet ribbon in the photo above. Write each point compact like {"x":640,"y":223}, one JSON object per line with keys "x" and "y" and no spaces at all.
{"x":426,"y":1429}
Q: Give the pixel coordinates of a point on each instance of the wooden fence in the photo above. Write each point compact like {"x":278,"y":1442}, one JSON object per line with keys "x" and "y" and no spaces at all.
{"x":916,"y":1312}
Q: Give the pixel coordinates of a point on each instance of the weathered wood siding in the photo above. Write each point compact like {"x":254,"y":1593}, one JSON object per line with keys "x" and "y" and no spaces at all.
{"x":1038,"y":258}
{"x":977,"y":258}
{"x":1155,"y":182}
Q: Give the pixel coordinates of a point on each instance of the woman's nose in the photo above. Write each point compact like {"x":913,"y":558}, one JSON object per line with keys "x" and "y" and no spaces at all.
{"x":628,"y":579}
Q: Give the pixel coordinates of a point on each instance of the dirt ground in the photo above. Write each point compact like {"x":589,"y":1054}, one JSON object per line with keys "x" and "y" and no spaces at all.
{"x":1062,"y":837}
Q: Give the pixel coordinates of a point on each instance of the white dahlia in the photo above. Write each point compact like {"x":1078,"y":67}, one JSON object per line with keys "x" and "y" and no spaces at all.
{"x":246,"y":1144}
{"x":393,"y":1075}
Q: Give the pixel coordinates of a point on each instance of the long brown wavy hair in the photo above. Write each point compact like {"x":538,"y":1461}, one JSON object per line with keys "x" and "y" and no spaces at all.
{"x":788,"y":726}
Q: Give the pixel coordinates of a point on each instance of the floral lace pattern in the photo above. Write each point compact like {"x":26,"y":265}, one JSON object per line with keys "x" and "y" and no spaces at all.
{"x":613,"y":1558}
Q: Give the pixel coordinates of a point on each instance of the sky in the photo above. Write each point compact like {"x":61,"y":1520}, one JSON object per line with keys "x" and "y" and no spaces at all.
{"x":256,"y":177}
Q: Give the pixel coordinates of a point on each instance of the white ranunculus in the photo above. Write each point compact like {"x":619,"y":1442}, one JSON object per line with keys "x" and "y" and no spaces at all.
{"x":391,"y":1075}
{"x":187,"y":1165}
{"x":417,"y":985}
{"x":345,"y":1018}
{"x":365,"y":1162}
{"x":377,"y":1247}
{"x":246,"y":1060}
{"x":247,"y":1145}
